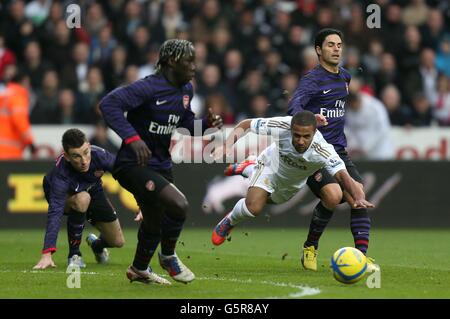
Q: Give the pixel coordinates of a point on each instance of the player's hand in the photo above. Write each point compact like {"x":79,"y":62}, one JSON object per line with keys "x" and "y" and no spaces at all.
{"x":142,"y":152}
{"x":321,"y":120}
{"x":139,"y":216}
{"x":45,"y":262}
{"x":214,"y":120}
{"x":362,"y":203}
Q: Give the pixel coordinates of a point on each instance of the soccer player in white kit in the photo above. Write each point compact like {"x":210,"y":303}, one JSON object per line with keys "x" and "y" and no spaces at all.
{"x":283,"y":167}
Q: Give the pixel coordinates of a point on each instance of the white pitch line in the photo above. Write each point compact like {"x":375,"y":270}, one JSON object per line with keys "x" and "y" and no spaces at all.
{"x":303,"y":290}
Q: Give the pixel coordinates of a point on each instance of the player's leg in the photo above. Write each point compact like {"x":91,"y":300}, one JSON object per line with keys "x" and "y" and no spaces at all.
{"x":75,"y":209}
{"x":323,"y":186}
{"x":102,"y":215}
{"x":244,"y":168}
{"x":246,"y":208}
{"x":172,"y":222}
{"x":145,"y":184}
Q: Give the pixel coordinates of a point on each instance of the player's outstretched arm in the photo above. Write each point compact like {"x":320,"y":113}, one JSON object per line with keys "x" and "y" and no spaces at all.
{"x":45,"y":262}
{"x":350,"y":186}
{"x":239,"y":131}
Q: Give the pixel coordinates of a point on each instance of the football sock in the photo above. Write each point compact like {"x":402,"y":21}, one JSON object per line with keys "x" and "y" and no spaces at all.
{"x":75,"y":226}
{"x":248,"y":171}
{"x":240,"y":212}
{"x":321,"y":217}
{"x":99,"y":244}
{"x":170,"y":232}
{"x":360,"y":226}
{"x":147,"y":243}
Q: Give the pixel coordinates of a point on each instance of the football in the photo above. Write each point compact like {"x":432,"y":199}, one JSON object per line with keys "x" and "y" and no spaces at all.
{"x":348,"y":265}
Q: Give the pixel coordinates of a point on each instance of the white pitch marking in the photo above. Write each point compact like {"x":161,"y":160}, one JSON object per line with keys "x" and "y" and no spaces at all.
{"x":303,"y":290}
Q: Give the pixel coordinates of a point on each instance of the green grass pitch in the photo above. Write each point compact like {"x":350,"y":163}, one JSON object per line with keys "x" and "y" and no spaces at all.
{"x":256,"y":263}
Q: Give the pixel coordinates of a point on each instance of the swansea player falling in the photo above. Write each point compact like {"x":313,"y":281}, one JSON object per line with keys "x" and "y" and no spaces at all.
{"x":283,"y":167}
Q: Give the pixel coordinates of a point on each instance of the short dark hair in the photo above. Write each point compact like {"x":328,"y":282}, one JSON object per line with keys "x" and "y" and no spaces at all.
{"x":304,"y":118}
{"x":173,"y":48}
{"x":73,"y":138}
{"x":322,"y":34}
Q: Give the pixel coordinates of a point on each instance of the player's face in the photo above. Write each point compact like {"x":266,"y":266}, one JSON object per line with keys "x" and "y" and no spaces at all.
{"x":302,"y":137}
{"x":79,"y":158}
{"x":184,"y":69}
{"x":331,"y":50}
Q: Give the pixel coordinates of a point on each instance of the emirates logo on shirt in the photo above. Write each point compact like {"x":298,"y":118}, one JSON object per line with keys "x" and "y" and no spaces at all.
{"x":185,"y":101}
{"x":99,"y":173}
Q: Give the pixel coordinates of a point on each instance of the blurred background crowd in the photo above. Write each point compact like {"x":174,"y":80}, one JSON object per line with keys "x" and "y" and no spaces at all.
{"x":250,"y":55}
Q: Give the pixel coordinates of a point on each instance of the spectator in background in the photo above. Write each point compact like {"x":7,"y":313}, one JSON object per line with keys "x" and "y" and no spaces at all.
{"x":310,"y":60}
{"x":92,"y":92}
{"x":415,"y":13}
{"x":114,"y":70}
{"x":74,"y":74}
{"x":388,"y":73}
{"x":220,"y":44}
{"x":262,"y":48}
{"x":245,"y":32}
{"x":201,"y":56}
{"x":372,"y":58}
{"x":399,"y":114}
{"x":58,"y":45}
{"x":289,"y":83}
{"x":100,"y":138}
{"x":95,"y":20}
{"x":139,"y":46}
{"x":6,"y":56}
{"x":422,"y":112}
{"x":211,"y":82}
{"x":170,"y":21}
{"x":253,"y":84}
{"x":259,"y":107}
{"x":433,"y":30}
{"x":367,"y":126}
{"x":46,"y":100}
{"x":102,"y":46}
{"x":209,"y":19}
{"x":441,"y":101}
{"x":149,"y":67}
{"x":233,"y":73}
{"x":293,"y":47}
{"x":443,"y":55}
{"x":393,"y":30}
{"x":37,"y":11}
{"x":34,"y":65}
{"x":428,"y":73}
{"x":131,"y":74}
{"x":19,"y":29}
{"x":273,"y":70}
{"x":127,"y":24}
{"x":15,"y":130}
{"x":66,"y":113}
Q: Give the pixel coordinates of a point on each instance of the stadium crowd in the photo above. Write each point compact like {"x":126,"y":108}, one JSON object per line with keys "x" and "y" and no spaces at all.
{"x":249,"y":53}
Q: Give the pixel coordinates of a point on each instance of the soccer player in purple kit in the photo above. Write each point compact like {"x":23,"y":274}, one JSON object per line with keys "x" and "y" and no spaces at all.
{"x":156,"y":105}
{"x":323,"y":91}
{"x":74,"y":188}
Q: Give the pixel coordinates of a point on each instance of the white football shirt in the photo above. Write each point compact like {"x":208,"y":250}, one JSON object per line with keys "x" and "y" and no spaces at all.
{"x":290,"y":168}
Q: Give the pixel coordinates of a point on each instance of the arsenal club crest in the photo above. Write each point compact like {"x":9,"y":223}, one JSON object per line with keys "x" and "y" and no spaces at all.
{"x":185,"y":101}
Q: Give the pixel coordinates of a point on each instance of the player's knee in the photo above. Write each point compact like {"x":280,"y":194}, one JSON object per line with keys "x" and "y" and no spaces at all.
{"x":81,"y":202}
{"x":332,"y":198}
{"x":181,"y":207}
{"x":254,"y":206}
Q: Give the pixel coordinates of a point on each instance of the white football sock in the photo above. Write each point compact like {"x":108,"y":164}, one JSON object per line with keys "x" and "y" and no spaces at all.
{"x":248,"y":171}
{"x":240,"y":212}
